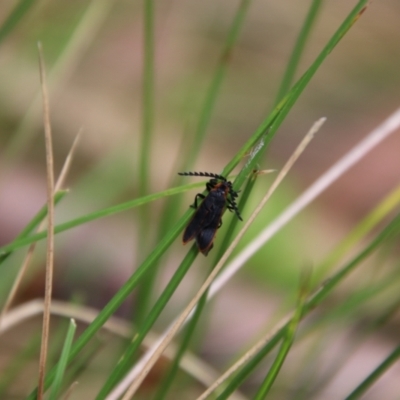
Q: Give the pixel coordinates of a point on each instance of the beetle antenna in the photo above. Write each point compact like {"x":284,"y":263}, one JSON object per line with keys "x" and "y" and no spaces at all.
{"x":207,"y":174}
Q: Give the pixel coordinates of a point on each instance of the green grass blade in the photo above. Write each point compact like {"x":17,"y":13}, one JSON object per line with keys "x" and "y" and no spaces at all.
{"x":268,"y":128}
{"x":298,"y":49}
{"x":15,"y":17}
{"x":106,"y":212}
{"x":169,"y":377}
{"x":374,"y":376}
{"x":147,"y":97}
{"x":145,"y":290}
{"x":62,"y":364}
{"x":34,"y":223}
{"x":216,"y":82}
{"x":390,"y":230}
{"x":126,"y":361}
{"x":287,"y":340}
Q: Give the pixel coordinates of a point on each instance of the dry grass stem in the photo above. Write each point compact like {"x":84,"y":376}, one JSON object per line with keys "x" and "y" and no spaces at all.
{"x":50,"y":236}
{"x":29,"y":254}
{"x":71,"y":388}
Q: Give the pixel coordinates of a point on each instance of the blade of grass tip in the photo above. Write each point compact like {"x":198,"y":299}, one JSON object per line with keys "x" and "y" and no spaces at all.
{"x":287,"y":340}
{"x":50,"y":239}
{"x":15,"y":17}
{"x":62,"y":364}
{"x":155,"y":353}
{"x":33,"y":223}
{"x":374,"y":376}
{"x":389,"y":126}
{"x":393,"y":228}
{"x":68,"y":393}
{"x":106,"y":212}
{"x":67,"y":163}
{"x":82,"y":37}
{"x":298,"y":49}
{"x":29,"y":255}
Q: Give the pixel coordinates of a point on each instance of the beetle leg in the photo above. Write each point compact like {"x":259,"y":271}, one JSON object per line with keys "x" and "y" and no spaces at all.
{"x":195,"y":199}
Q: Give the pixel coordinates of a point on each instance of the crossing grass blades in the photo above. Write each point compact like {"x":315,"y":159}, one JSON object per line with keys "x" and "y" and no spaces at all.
{"x":208,"y":216}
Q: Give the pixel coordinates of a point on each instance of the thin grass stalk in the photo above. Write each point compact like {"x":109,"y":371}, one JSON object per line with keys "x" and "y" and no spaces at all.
{"x":33,"y":223}
{"x":126,"y":361}
{"x":348,"y":351}
{"x":389,"y":231}
{"x":147,"y":97}
{"x":50,"y":217}
{"x":63,"y":361}
{"x":70,"y":390}
{"x":216,"y":82}
{"x":287,"y":340}
{"x":298,"y":50}
{"x":187,"y":335}
{"x":145,"y":290}
{"x":384,"y":208}
{"x":22,"y":241}
{"x":375,"y":374}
